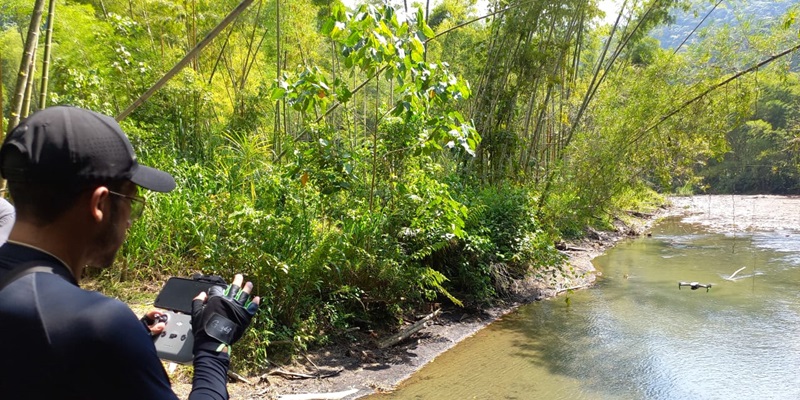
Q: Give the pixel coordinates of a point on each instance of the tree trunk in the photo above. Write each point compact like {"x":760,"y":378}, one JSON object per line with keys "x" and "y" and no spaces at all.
{"x":46,"y":59}
{"x":25,"y":64}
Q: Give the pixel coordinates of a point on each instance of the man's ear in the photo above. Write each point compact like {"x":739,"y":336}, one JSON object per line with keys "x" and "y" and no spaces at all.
{"x":98,"y":203}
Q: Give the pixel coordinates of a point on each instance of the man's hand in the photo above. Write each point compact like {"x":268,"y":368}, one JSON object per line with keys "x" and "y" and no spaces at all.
{"x":220,"y":318}
{"x":153,"y":322}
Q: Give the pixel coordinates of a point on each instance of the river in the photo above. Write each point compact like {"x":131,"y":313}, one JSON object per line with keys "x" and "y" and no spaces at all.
{"x":637,"y":335}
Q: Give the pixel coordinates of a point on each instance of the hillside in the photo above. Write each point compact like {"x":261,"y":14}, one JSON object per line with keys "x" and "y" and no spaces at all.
{"x":730,"y":12}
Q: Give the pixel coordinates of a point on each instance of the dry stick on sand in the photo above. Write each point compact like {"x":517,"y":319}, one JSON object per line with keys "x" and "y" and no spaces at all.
{"x":398,"y":337}
{"x":317,"y":396}
{"x":238,"y":378}
{"x":730,"y":278}
{"x":562,"y":290}
{"x":297,"y":375}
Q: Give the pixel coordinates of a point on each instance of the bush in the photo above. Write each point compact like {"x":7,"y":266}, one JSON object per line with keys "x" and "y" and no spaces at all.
{"x":502,"y":242}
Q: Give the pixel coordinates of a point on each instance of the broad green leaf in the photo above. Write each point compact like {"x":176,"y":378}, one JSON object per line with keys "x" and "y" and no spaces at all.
{"x":343,"y":94}
{"x":278,"y":93}
{"x":417,"y":50}
{"x":353,"y":39}
{"x":327,"y":27}
{"x":427,"y":31}
{"x":456,"y":115}
{"x":402,"y":31}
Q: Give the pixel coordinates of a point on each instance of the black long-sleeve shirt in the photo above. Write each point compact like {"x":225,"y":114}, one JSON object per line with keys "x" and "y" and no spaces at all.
{"x":58,"y":341}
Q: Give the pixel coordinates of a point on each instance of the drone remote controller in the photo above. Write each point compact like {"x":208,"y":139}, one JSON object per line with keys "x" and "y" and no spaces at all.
{"x":176,"y":343}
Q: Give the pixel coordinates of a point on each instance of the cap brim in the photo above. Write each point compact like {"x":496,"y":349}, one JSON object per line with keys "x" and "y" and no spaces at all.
{"x":153,"y":179}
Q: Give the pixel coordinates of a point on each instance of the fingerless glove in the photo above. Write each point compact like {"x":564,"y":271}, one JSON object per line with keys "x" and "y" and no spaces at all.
{"x":221,"y":320}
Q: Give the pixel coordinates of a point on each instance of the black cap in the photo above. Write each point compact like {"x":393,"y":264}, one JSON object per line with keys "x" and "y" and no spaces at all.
{"x":70,"y":144}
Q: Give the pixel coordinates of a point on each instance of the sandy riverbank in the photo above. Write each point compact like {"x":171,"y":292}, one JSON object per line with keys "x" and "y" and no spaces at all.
{"x":740,"y":213}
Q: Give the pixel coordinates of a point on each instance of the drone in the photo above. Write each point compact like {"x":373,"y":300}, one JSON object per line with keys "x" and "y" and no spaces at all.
{"x":694,"y":285}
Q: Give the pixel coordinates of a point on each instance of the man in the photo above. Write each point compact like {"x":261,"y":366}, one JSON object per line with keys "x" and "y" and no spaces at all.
{"x":6,"y":219}
{"x":74,"y":178}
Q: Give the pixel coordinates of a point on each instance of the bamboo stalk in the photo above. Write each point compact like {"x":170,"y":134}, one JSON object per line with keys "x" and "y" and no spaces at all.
{"x":276,"y":141}
{"x":25,"y":62}
{"x":48,"y":41}
{"x":691,"y":101}
{"x":250,"y":51}
{"x":26,"y":101}
{"x":186,"y":59}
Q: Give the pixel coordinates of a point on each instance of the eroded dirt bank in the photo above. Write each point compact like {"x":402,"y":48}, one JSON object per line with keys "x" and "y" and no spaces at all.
{"x":364,"y":368}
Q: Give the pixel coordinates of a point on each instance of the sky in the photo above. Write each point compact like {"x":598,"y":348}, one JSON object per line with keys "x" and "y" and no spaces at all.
{"x":609,"y":6}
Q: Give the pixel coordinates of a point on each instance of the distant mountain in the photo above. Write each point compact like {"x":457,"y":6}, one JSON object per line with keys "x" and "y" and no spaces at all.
{"x":726,"y":13}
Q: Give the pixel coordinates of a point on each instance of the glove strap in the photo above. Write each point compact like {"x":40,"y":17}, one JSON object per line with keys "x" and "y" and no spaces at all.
{"x":212,"y":346}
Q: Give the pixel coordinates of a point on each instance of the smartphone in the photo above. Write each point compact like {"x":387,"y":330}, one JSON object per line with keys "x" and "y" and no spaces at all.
{"x":177,"y":294}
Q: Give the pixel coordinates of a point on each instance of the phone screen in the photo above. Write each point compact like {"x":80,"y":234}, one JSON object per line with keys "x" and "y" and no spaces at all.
{"x":177,"y":294}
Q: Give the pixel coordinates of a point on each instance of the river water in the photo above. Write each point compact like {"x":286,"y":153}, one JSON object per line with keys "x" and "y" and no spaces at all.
{"x":637,"y":335}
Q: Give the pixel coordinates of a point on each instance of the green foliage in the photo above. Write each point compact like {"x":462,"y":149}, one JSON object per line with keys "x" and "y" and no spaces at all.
{"x":564,"y":209}
{"x":423,"y":215}
{"x":502,"y":241}
{"x":763,"y":157}
{"x":464,"y":47}
{"x":374,"y":42}
{"x":638,"y":198}
{"x":644,"y":52}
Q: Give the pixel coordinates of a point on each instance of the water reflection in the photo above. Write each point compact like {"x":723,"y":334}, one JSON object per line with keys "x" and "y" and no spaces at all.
{"x":637,"y":336}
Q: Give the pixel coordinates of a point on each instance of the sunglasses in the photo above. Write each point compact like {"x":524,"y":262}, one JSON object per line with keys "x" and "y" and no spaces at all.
{"x":137,"y":204}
